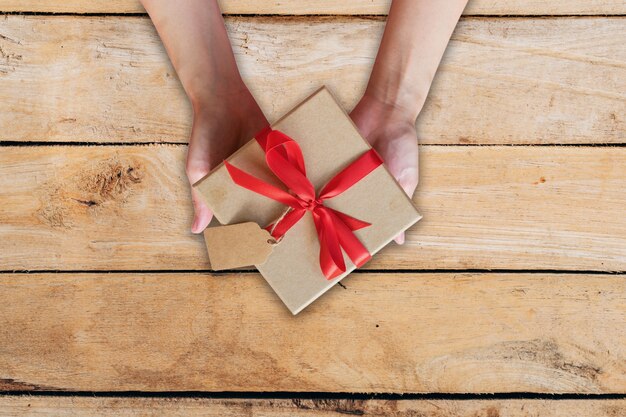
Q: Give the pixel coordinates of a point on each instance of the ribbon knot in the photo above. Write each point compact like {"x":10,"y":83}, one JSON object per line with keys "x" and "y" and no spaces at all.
{"x":335,"y":230}
{"x":311,"y":205}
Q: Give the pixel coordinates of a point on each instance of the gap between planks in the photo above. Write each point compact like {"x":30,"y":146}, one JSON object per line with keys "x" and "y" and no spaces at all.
{"x":320,"y":15}
{"x":308,"y":395}
{"x":315,"y":407}
{"x":389,"y":271}
{"x":36,"y":143}
{"x":316,"y":395}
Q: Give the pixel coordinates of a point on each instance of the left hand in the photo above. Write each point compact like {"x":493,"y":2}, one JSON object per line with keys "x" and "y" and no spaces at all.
{"x":391,"y":131}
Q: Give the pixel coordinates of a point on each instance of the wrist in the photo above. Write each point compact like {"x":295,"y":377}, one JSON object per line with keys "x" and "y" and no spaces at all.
{"x":207,"y":94}
{"x":234,"y":106}
{"x":399,"y":85}
{"x":393,"y":103}
{"x":373,"y":116}
{"x":401,"y":97}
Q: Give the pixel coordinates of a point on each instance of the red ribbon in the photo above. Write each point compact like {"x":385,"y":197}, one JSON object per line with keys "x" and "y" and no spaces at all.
{"x":334,"y":228}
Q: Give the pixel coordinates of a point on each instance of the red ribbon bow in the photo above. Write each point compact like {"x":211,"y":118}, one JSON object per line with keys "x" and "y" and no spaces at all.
{"x":334,"y":228}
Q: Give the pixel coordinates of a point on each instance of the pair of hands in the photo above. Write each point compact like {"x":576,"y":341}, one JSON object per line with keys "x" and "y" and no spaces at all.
{"x":227,"y":120}
{"x":226,"y":115}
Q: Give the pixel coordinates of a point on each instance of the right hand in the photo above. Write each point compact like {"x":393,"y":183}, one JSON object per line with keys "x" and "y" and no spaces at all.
{"x":391,"y":131}
{"x":222,"y":123}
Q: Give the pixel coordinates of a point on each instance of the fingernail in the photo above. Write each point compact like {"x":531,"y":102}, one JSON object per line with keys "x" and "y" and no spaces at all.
{"x":194,"y":226}
{"x":400,"y":239}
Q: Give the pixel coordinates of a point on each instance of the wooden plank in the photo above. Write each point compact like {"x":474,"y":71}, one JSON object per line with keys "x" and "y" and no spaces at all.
{"x":329,"y":7}
{"x":121,"y":207}
{"x":383,"y":333}
{"x":502,"y":81}
{"x":25,"y":406}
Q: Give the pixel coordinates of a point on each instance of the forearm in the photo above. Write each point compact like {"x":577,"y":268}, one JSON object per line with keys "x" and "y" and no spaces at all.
{"x":415,"y":38}
{"x":197,"y":43}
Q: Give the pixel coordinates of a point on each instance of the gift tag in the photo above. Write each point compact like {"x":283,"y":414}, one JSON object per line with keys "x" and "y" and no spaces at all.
{"x":237,"y":245}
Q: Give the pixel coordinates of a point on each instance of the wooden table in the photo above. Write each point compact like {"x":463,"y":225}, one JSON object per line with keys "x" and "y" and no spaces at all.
{"x":512,"y":284}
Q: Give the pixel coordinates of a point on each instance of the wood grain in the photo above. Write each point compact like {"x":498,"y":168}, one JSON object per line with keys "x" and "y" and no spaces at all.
{"x":349,"y":7}
{"x":119,"y":207}
{"x":26,"y":406}
{"x":395,"y":332}
{"x":502,"y":81}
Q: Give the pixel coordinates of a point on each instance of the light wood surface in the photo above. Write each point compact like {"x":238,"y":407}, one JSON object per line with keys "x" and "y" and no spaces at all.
{"x":128,"y":208}
{"x":502,"y":81}
{"x":333,"y":7}
{"x":27,"y":406}
{"x":391,"y":332}
{"x":527,"y":77}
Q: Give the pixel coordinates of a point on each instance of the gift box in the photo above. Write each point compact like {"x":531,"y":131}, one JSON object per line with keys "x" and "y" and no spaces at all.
{"x":322,"y":194}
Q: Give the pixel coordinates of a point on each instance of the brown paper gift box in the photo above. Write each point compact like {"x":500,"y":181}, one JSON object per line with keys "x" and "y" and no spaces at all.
{"x":329,"y":142}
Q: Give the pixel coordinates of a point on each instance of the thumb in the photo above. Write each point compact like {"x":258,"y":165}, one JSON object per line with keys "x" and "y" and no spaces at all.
{"x":198,"y":165}
{"x":196,"y":169}
{"x":407,"y":179}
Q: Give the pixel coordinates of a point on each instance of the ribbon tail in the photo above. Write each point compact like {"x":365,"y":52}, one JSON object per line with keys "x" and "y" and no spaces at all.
{"x":352,"y":222}
{"x":331,"y":256}
{"x":353,"y":247}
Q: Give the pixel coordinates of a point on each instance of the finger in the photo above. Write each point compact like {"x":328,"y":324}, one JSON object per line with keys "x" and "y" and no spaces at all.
{"x":401,"y":157}
{"x":408,"y":180}
{"x":197,"y":167}
{"x":202,"y":213}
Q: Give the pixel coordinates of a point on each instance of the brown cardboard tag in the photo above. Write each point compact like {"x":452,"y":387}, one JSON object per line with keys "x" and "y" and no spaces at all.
{"x":237,"y":245}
